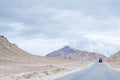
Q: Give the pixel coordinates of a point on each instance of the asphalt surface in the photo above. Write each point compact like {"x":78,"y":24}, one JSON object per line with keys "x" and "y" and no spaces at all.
{"x":98,"y":71}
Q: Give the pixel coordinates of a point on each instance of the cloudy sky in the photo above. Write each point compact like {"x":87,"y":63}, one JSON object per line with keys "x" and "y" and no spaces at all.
{"x":42,"y":26}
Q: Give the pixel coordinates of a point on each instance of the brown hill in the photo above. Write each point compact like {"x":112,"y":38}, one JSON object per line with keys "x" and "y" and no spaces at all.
{"x":69,"y":53}
{"x":115,"y":57}
{"x":11,"y":52}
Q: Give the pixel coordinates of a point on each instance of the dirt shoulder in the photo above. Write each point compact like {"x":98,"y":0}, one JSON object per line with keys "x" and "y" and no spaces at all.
{"x":114,"y":65}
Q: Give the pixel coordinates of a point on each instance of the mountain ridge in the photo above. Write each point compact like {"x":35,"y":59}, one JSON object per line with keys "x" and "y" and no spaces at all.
{"x":11,"y":52}
{"x":75,"y":54}
{"x":115,"y":57}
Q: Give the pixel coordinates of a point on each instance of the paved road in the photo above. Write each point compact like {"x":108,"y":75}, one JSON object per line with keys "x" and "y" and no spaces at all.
{"x":98,"y":71}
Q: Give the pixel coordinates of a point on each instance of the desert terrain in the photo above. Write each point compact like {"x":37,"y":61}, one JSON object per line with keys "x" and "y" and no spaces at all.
{"x":114,"y":61}
{"x":44,"y":70}
{"x":17,"y":64}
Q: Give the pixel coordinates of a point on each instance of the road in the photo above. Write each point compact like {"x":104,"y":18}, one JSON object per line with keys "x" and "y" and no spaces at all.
{"x":98,"y":71}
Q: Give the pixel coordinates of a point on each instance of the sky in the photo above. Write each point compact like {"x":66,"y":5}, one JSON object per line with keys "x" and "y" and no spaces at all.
{"x":42,"y":26}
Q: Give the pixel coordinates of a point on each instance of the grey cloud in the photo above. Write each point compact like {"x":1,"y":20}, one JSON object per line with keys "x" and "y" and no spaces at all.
{"x":18,"y":3}
{"x":101,"y":8}
{"x":64,"y":19}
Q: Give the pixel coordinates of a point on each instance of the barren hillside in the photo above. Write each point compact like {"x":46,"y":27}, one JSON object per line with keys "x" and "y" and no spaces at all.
{"x":114,"y":60}
{"x":72,"y":54}
{"x":115,"y":57}
{"x":17,"y":64}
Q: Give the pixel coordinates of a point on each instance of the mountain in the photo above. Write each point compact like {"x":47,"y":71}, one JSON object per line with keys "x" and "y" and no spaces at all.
{"x":72,"y":54}
{"x":61,"y":51}
{"x":115,"y":57}
{"x":11,"y":52}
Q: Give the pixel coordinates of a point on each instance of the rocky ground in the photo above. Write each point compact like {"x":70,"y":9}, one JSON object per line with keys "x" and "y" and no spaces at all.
{"x":38,"y":71}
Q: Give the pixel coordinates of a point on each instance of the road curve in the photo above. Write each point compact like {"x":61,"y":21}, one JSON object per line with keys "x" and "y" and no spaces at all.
{"x":98,"y":71}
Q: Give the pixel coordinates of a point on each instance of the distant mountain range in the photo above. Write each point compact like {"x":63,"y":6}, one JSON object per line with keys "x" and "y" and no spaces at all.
{"x":72,"y":54}
{"x":11,"y":52}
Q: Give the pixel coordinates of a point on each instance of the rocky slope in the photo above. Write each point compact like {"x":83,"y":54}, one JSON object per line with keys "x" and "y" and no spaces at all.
{"x":11,"y":52}
{"x":114,"y":61}
{"x":115,"y":57}
{"x":69,"y":53}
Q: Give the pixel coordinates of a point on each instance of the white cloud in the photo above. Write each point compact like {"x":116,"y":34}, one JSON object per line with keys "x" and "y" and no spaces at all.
{"x":97,"y":43}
